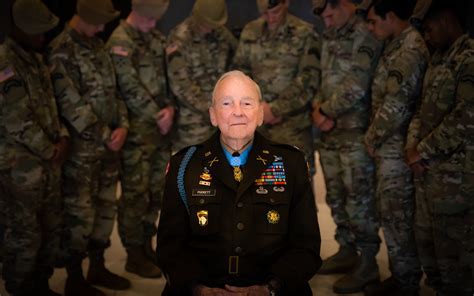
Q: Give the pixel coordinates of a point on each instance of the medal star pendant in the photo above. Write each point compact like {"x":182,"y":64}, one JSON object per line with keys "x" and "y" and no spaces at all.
{"x":238,"y":175}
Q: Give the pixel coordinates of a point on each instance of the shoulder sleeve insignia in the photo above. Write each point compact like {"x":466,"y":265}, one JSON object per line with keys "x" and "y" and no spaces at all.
{"x":119,"y":50}
{"x":6,"y":74}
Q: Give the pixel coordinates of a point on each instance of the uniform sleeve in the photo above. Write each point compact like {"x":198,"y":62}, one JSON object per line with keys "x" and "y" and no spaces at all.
{"x":137,"y":98}
{"x":188,"y":92}
{"x":174,"y":257}
{"x":357,"y":78}
{"x":402,"y":89}
{"x":241,"y":60}
{"x":19,"y":119}
{"x":302,"y":260}
{"x":453,"y":130}
{"x":301,"y":90}
{"x":73,"y":107}
{"x":122,"y":113}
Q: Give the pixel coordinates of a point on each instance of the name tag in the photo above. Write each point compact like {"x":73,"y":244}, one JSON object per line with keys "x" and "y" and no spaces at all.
{"x":200,"y":192}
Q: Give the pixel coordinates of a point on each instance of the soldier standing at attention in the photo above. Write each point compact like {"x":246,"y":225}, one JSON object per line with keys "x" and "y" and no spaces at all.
{"x":440,"y":150}
{"x":86,"y":91}
{"x":33,"y":145}
{"x":396,"y":88}
{"x":281,"y":53}
{"x":341,"y":111}
{"x":138,"y":53}
{"x":199,"y":51}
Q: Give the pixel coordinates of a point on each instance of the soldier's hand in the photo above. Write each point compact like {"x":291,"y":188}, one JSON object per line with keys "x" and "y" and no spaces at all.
{"x":268,"y":116}
{"x":418,"y":169}
{"x":412,"y":156}
{"x":327,"y":125}
{"x":250,"y":291}
{"x":164,"y":119}
{"x":202,"y":290}
{"x":61,"y":152}
{"x":318,"y":117}
{"x":117,"y":139}
{"x":370,"y":149}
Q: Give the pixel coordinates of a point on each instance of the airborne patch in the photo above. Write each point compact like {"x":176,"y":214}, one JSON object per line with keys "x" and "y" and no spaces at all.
{"x":397,"y":75}
{"x":367,"y":50}
{"x":119,"y":50}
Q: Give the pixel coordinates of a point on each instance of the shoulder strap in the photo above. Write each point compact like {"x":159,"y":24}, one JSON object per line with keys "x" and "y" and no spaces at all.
{"x":181,"y":171}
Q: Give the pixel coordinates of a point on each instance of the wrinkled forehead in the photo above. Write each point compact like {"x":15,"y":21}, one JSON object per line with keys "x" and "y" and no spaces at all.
{"x":236,"y":84}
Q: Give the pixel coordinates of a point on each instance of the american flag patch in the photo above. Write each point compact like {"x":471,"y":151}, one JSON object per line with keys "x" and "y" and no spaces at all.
{"x":6,"y":74}
{"x":119,"y":50}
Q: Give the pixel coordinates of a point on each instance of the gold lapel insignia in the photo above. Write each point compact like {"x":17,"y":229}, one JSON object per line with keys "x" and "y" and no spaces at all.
{"x":265,"y":151}
{"x":204,"y":183}
{"x":278,"y":188}
{"x":203,"y":218}
{"x":261,"y":190}
{"x":264,"y":161}
{"x":212,"y":161}
{"x":206,"y":175}
{"x":273,"y":217}
{"x":207,"y":153}
{"x":238,"y":175}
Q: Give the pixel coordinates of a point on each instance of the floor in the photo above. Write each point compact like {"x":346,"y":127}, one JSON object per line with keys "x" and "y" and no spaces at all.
{"x":321,"y":284}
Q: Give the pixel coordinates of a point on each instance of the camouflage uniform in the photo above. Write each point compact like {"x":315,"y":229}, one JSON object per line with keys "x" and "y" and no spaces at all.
{"x":442,"y":132}
{"x":395,"y":89}
{"x":139,"y":64}
{"x":348,"y":59}
{"x":195,"y":63}
{"x":285,"y":64}
{"x":84,"y":82}
{"x":29,"y":128}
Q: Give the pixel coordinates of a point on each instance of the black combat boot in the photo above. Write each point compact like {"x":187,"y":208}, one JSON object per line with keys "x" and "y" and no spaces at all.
{"x":139,"y":263}
{"x":76,"y":284}
{"x":341,"y":262}
{"x":390,"y":287}
{"x":43,"y":289}
{"x":101,"y":276}
{"x":366,"y":272}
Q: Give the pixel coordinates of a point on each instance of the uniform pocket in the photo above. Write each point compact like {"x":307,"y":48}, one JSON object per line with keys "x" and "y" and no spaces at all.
{"x":271,"y":210}
{"x":205,"y":212}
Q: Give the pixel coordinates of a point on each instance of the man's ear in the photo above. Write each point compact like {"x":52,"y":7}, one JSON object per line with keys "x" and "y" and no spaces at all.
{"x":212,"y":115}
{"x":260,"y":115}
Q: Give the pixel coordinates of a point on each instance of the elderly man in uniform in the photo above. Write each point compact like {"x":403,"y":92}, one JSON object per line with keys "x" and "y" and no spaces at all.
{"x":85,"y":87}
{"x":349,"y":56}
{"x":440,"y":150}
{"x":199,"y":50}
{"x":238,"y":210}
{"x":395,"y":91}
{"x":138,"y":53}
{"x":33,"y":145}
{"x":281,"y":53}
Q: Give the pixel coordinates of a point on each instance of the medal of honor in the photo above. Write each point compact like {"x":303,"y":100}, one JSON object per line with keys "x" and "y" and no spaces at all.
{"x":273,"y":217}
{"x":203,"y":218}
{"x":238,"y":175}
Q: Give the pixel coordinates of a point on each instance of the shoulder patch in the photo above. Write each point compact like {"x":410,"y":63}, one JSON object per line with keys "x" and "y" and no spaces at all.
{"x":6,"y":74}
{"x":119,"y":50}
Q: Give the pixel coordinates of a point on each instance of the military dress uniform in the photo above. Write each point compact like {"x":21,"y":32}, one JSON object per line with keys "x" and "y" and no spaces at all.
{"x":442,"y":132}
{"x":285,"y":64}
{"x":139,"y":60}
{"x":396,"y":88}
{"x":29,"y":129}
{"x":214,"y":230}
{"x":85,"y":87}
{"x":195,"y":63}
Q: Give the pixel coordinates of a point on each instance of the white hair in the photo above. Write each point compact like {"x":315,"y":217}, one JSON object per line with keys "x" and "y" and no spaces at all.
{"x":236,"y":73}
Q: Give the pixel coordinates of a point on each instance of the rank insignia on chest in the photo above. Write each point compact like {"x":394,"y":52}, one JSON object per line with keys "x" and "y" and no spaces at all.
{"x":274,"y":174}
{"x":273,"y":217}
{"x":203,"y":218}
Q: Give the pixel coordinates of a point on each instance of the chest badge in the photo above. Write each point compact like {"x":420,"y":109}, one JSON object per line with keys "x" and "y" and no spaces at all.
{"x":278,"y":188}
{"x":273,"y":217}
{"x":203,"y":218}
{"x":206,"y":175}
{"x":215,"y":159}
{"x":261,"y":190}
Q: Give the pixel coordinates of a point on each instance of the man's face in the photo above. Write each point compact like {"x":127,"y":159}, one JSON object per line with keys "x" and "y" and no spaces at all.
{"x":145,"y":23}
{"x":276,"y":15}
{"x":435,"y":33}
{"x":236,"y":110}
{"x":336,"y":16}
{"x":380,"y":28}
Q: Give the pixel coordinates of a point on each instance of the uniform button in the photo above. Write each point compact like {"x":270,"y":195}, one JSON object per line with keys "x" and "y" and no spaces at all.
{"x":240,"y":204}
{"x":272,"y":200}
{"x":238,"y":250}
{"x":201,"y":201}
{"x":240,"y":226}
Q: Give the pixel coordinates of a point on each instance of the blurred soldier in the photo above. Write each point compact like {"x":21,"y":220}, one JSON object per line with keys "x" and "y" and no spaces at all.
{"x":199,"y":50}
{"x":33,"y":145}
{"x":396,"y":87}
{"x":281,"y":53}
{"x":419,"y":12}
{"x":138,"y":52}
{"x":440,"y":149}
{"x":85,"y":87}
{"x":341,"y":110}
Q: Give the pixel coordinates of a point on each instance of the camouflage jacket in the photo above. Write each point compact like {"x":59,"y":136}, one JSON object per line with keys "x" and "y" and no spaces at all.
{"x":284,"y":64}
{"x":396,"y":88}
{"x":349,"y":56}
{"x":85,"y":87}
{"x":139,"y":60}
{"x":29,"y":122}
{"x":195,"y":63}
{"x":443,"y":128}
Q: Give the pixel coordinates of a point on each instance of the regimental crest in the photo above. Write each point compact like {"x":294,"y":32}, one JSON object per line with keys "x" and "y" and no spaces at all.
{"x":273,"y":217}
{"x":203,"y":218}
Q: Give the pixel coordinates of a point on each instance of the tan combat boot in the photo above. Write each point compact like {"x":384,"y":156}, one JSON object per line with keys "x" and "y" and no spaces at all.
{"x":139,"y":263}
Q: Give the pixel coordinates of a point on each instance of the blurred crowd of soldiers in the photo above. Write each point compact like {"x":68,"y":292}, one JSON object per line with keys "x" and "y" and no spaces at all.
{"x":385,"y":95}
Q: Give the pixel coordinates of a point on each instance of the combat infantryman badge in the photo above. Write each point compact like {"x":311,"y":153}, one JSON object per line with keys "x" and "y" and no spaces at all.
{"x":273,"y":217}
{"x":202,"y":218}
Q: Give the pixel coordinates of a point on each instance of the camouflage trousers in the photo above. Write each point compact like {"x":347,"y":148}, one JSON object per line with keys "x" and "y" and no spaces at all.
{"x":90,"y":203}
{"x":32,"y":203}
{"x":395,"y":195}
{"x":349,"y":176}
{"x":143,"y":180}
{"x":449,"y":205}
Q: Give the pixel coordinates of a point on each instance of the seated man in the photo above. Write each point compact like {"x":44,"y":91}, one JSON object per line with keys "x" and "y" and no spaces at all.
{"x":238,"y":210}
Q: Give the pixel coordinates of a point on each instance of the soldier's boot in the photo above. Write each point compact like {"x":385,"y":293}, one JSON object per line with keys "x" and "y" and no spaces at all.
{"x":341,"y":262}
{"x":366,"y":272}
{"x":149,"y":252}
{"x":101,"y":276}
{"x":390,"y":287}
{"x":138,"y":263}
{"x":43,"y":289}
{"x":76,"y":284}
